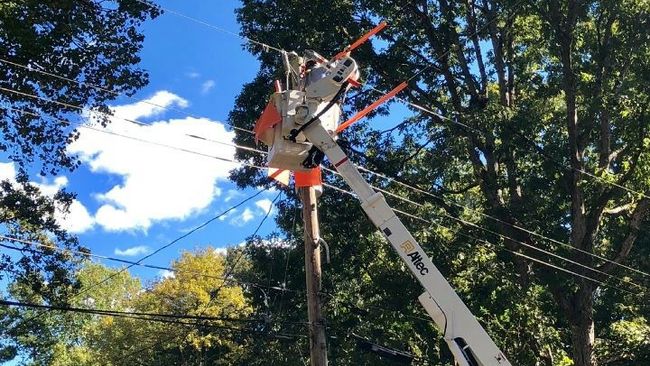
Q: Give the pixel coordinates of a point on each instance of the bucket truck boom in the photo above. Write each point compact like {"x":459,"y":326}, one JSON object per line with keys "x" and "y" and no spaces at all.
{"x":305,"y":127}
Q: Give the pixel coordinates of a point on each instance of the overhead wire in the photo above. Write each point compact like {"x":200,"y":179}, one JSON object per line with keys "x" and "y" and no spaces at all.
{"x":251,"y":149}
{"x":266,"y":46}
{"x":134,"y":138}
{"x":63,"y":104}
{"x":360,"y":167}
{"x":464,"y":222}
{"x":100,"y":88}
{"x":282,"y":289}
{"x":438,"y":115}
{"x":519,"y":242}
{"x":143,"y":265}
{"x":518,"y":227}
{"x":188,"y":233}
{"x":134,"y":313}
{"x":240,"y":255}
{"x":487,"y":242}
{"x":146,"y":316}
{"x":215,"y":293}
{"x":431,"y":112}
{"x":209,"y":25}
{"x":401,"y":183}
{"x":185,"y":235}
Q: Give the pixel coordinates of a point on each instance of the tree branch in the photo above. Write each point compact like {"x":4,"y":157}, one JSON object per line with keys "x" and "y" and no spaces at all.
{"x":640,"y":213}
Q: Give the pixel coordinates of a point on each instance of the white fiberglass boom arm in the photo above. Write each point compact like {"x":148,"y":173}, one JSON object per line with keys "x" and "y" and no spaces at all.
{"x":468,"y":341}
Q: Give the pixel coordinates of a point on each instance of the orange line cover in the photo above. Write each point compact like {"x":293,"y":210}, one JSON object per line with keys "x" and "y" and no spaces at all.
{"x":361,"y":40}
{"x":374,"y":105}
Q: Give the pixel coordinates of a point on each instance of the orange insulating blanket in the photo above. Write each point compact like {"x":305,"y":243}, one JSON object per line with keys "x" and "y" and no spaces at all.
{"x":269,"y":118}
{"x":308,"y":179}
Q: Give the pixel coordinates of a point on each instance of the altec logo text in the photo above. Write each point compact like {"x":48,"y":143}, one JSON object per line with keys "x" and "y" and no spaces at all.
{"x":416,"y":257}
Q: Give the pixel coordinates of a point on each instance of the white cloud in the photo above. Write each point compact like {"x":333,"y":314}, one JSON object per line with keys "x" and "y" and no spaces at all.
{"x":193,"y":75}
{"x":133,"y":251}
{"x":232,"y":194}
{"x":221,"y":251}
{"x":164,"y":274}
{"x":228,"y":214}
{"x":247,"y":215}
{"x":8,"y":172}
{"x":243,"y":218}
{"x":265,"y":205}
{"x":207,"y":86}
{"x":158,"y":182}
{"x":151,"y":107}
{"x":76,"y":220}
{"x":51,"y":189}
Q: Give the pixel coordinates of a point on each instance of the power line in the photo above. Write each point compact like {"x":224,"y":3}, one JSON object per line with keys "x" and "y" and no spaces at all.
{"x":199,"y":227}
{"x":281,"y":289}
{"x":135,"y":313}
{"x":265,"y":46}
{"x":100,"y":88}
{"x":413,"y":188}
{"x":209,"y":25}
{"x":64,"y":104}
{"x":104,"y":131}
{"x":471,"y":224}
{"x":464,"y":222}
{"x":155,"y":317}
{"x":113,"y":275}
{"x":485,"y":241}
{"x":251,"y":149}
{"x":399,"y":197}
{"x":241,"y":253}
{"x":454,"y":218}
{"x":124,"y":261}
{"x":519,"y":227}
{"x":412,"y":104}
{"x":214,"y":293}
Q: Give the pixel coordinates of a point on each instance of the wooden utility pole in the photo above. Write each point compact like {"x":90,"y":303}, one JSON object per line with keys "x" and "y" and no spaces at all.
{"x":317,"y":341}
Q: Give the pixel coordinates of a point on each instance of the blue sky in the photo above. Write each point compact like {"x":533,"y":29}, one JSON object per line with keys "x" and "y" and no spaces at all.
{"x":134,"y":197}
{"x":157,"y":194}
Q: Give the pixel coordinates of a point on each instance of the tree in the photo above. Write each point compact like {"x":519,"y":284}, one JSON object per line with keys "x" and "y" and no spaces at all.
{"x":196,"y":289}
{"x":58,"y":338}
{"x":541,"y":119}
{"x":94,"y":43}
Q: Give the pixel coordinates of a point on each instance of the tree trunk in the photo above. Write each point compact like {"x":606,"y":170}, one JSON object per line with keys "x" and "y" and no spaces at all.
{"x":582,"y":327}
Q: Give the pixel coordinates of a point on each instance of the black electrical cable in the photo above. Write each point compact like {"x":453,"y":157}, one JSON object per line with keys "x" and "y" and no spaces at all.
{"x":133,"y":313}
{"x":113,"y":275}
{"x":155,"y":317}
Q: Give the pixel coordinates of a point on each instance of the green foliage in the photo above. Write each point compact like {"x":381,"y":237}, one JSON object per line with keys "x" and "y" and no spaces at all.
{"x":93,"y":42}
{"x":547,"y":87}
{"x":196,"y":289}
